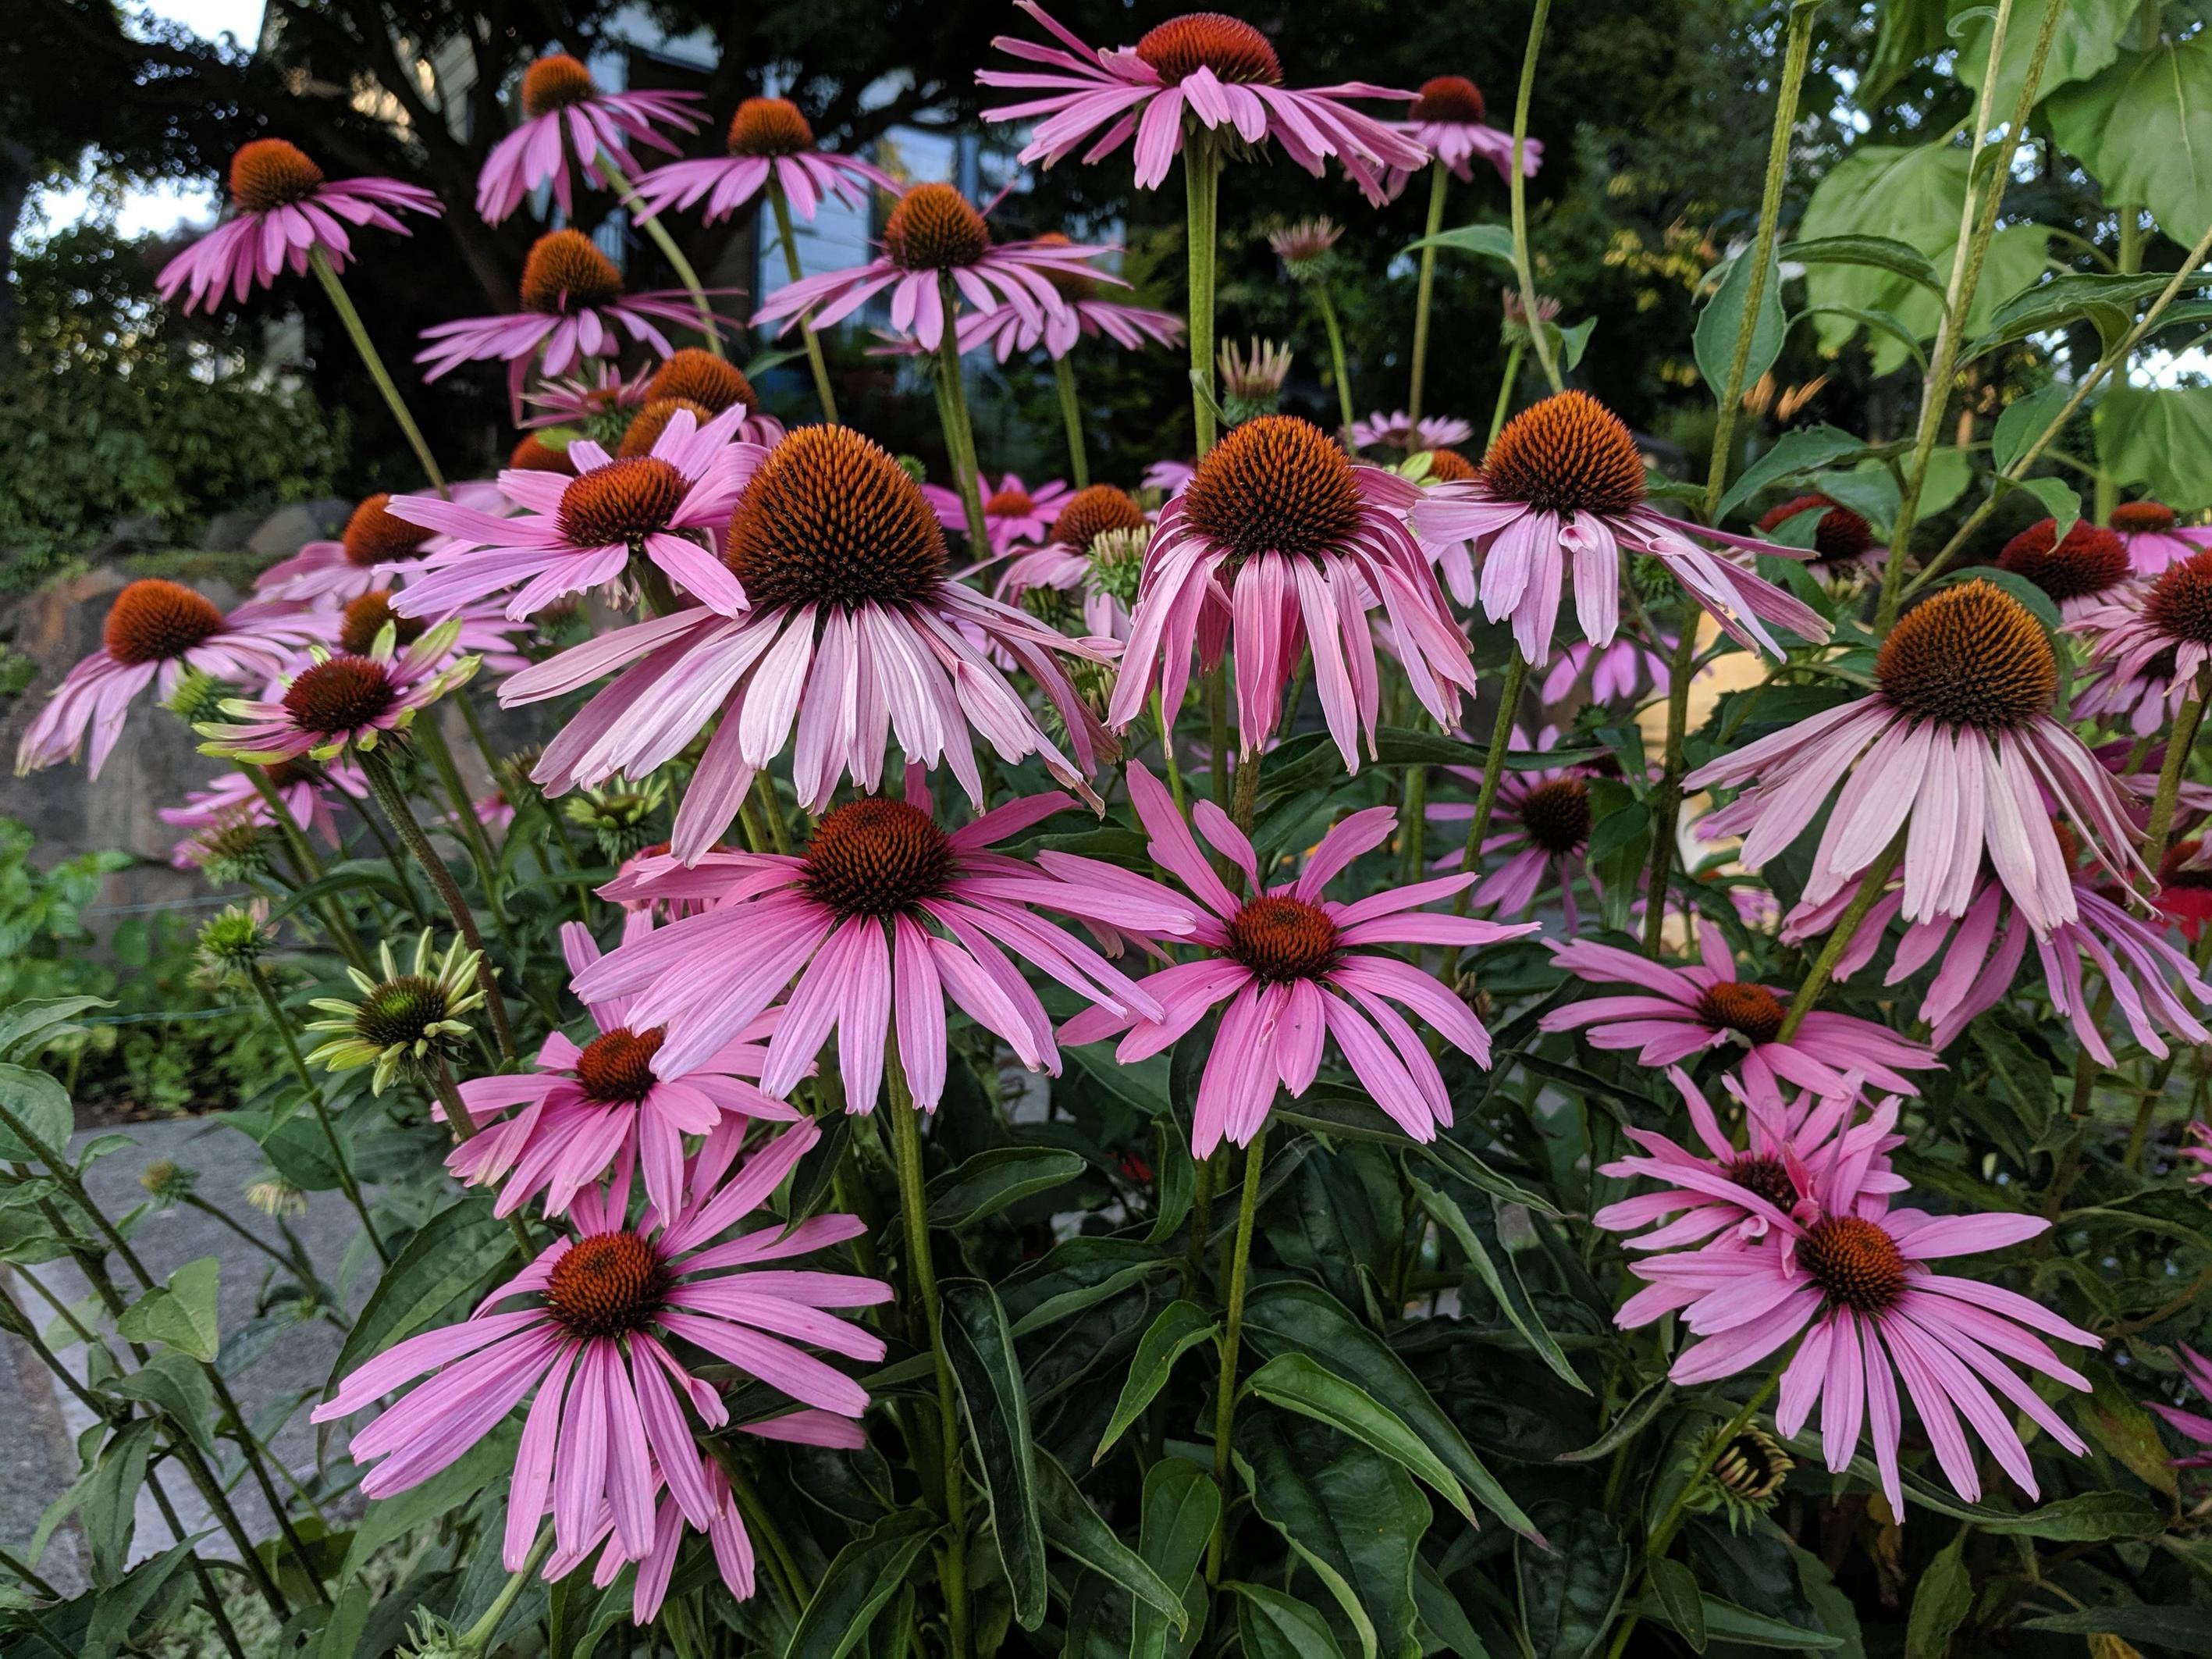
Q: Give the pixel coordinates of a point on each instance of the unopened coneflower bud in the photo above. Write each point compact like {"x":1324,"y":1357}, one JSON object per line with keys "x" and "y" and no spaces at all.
{"x":1303,"y":247}
{"x":432,"y":1638}
{"x":620,"y":813}
{"x":1057,"y":608}
{"x":515,"y":768}
{"x":234,"y":849}
{"x":1748,"y":1470}
{"x":275,"y":1196}
{"x":1117,"y":561}
{"x":1252,"y":379}
{"x":198,"y":696}
{"x":166,"y":1182}
{"x":403,"y":1022}
{"x":236,"y":937}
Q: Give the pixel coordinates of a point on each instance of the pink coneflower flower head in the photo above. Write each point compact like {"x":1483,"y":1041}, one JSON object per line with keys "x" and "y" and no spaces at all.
{"x":1854,"y":1277}
{"x":1564,"y":483}
{"x":586,"y":1108}
{"x":1013,"y":512}
{"x":1295,"y":969}
{"x":883,"y":919}
{"x":596,"y":1349}
{"x":1620,"y":674}
{"x":566,"y":117}
{"x":1449,"y":120}
{"x":706,"y":382}
{"x":1282,"y":542}
{"x":1842,"y":541}
{"x":1782,"y":1143}
{"x":2153,"y":650}
{"x":1676,"y":1013}
{"x":283,"y":207}
{"x":1084,"y":315}
{"x":572,"y":308}
{"x":1541,"y":823}
{"x":1073,"y":562}
{"x":854,"y":629}
{"x":485,"y":631}
{"x":1397,"y":430}
{"x":1304,"y":247}
{"x":1955,"y":750}
{"x":1219,"y":71}
{"x":932,"y":233}
{"x":2154,"y":537}
{"x":373,"y":549}
{"x":769,"y":138}
{"x":2195,"y":1425}
{"x":156,"y":632}
{"x":2199,"y":1152}
{"x":2079,"y":572}
{"x":302,"y":790}
{"x":344,"y":702}
{"x":573,"y":535}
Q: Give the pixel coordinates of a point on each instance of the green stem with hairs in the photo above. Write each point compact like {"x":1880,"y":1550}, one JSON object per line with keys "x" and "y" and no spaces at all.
{"x":1201,"y":172}
{"x":1232,"y":1332}
{"x":618,"y":180}
{"x":310,"y":868}
{"x":1423,"y":290}
{"x":1327,"y":309}
{"x":1071,"y":417}
{"x":478,"y":1635}
{"x":2178,"y":743}
{"x":959,"y":429}
{"x":1667,"y":812}
{"x":1494,"y":773}
{"x":1840,"y":937}
{"x":327,"y":275}
{"x":466,"y":825}
{"x":1517,"y":186}
{"x":781,"y":209}
{"x":1505,"y":404}
{"x":339,"y":1160}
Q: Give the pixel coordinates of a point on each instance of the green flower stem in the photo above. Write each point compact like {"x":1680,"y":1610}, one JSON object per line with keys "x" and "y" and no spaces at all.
{"x":358,"y":332}
{"x":311,"y":870}
{"x":906,"y":1142}
{"x":1514,"y":353}
{"x":610,"y":164}
{"x":1517,"y":186}
{"x":210,"y":1598}
{"x":771,"y":809}
{"x":1246,"y":802}
{"x":1201,"y":1204}
{"x":30,"y":1580}
{"x":1977,"y":225}
{"x":339,"y":1160}
{"x":959,"y":430}
{"x":1232,"y":1332}
{"x":1201,"y":171}
{"x":1071,"y":415}
{"x":393,"y":803}
{"x":1167,"y":752}
{"x":1413,"y":824}
{"x":1494,"y":773}
{"x":1327,"y":309}
{"x":1840,"y":937}
{"x":466,"y":827}
{"x":1667,"y":812}
{"x":291,"y":1260}
{"x":814,"y":360}
{"x":1424,"y":288}
{"x":763,"y":1521}
{"x":478,"y":1635}
{"x":2179,"y":744}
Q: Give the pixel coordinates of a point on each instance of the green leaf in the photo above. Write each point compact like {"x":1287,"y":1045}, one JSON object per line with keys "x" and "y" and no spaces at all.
{"x":1074,"y":1529}
{"x":1180,"y":1504}
{"x":1443,"y":1614}
{"x":2161,"y":437}
{"x":1946,"y":1591}
{"x":1288,"y":1315}
{"x":484,"y":1466}
{"x":2037,"y":601}
{"x":1180,"y":1327}
{"x":1491,"y":241}
{"x":22,"y":1021}
{"x":860,"y":1581}
{"x":2023,"y":422}
{"x":2107,"y":300}
{"x":980,"y":1346}
{"x":114,"y":1612}
{"x":181,"y":1315}
{"x":1272,"y":1625}
{"x":450,"y":1261}
{"x":2143,"y":126}
{"x":109,"y":1513}
{"x":1880,"y":322}
{"x":987,"y":1182}
{"x":1298,"y":1383}
{"x":2126,"y":1430}
{"x":175,"y":1383}
{"x":1804,"y":450}
{"x":1569,"y":1593}
{"x":1631,"y":1420}
{"x":1681,"y":1603}
{"x":1881,"y":253}
{"x":1572,"y":341}
{"x":2181,"y":1629}
{"x":1473,"y":1228}
{"x":2089,"y":1517}
{"x":42,"y":1107}
{"x":1722,"y":321}
{"x":1717,"y":1620}
{"x":2087,"y":38}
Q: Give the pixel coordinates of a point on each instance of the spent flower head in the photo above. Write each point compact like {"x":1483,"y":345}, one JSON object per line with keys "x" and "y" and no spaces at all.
{"x":1252,"y":379}
{"x":1304,"y":247}
{"x":276,"y":1197}
{"x":167,"y":1182}
{"x":402,"y":1023}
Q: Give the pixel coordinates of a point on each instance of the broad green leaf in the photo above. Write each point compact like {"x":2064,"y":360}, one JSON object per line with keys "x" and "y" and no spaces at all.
{"x":1805,"y":450}
{"x":114,"y":1612}
{"x":37,"y":1018}
{"x":1491,"y":241}
{"x":1869,"y":490}
{"x":1292,"y":1316}
{"x":2178,"y":1628}
{"x":2088,"y":39}
{"x":2109,"y":300}
{"x":1949,"y":472}
{"x":980,"y":1346}
{"x":2126,"y":1430}
{"x":1443,"y":1615}
{"x":1880,"y":253}
{"x":451,"y":1258}
{"x":2161,"y":437}
{"x":1473,"y":1228}
{"x":860,"y":1581}
{"x":2092,"y":1517}
{"x":175,"y":1383}
{"x":1180,"y":1327}
{"x":2023,"y":422}
{"x":1570,"y":1592}
{"x":42,"y":1107}
{"x":1298,"y":1383}
{"x":1940,"y":1601}
{"x":1910,"y":30}
{"x":1272,"y":1625}
{"x":990,"y":1181}
{"x":1572,"y":341}
{"x":2143,"y":126}
{"x":1180,"y":1506}
{"x":1830,"y":1605}
{"x":109,"y":1512}
{"x":1075,"y":1529}
{"x":1718,"y":1620}
{"x":487,"y":1464}
{"x":1078,"y":1273}
{"x":1722,"y":321}
{"x":1681,"y":1604}
{"x":181,"y":1315}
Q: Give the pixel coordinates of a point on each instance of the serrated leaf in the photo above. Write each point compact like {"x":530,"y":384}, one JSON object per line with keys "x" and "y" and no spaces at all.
{"x":180,"y":1314}
{"x":1721,"y":322}
{"x":2023,"y":422}
{"x":2160,"y":437}
{"x":2087,"y":40}
{"x":1805,"y":450}
{"x":2144,"y":127}
{"x":42,"y":1107}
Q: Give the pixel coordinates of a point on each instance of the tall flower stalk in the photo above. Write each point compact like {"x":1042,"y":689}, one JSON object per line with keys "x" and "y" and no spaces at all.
{"x":1424,"y":289}
{"x":780,"y":205}
{"x":959,"y":429}
{"x":341,"y":302}
{"x":1201,"y":174}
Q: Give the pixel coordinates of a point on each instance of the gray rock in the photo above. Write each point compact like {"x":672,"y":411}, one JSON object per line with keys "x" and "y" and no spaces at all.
{"x":288,"y":529}
{"x":227,"y":533}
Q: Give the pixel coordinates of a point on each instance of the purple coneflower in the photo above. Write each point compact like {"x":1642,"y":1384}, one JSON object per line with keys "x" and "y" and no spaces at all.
{"x":565,"y":117}
{"x":1448,"y":120}
{"x":1220,"y":71}
{"x":1084,"y":315}
{"x":1541,"y":822}
{"x":853,"y":627}
{"x":1013,"y":513}
{"x":769,"y":138}
{"x":933,"y":233}
{"x":2154,"y":537}
{"x":1853,"y":1275}
{"x":1680,"y":1011}
{"x":1564,"y":482}
{"x":338,"y":703}
{"x":2150,"y":651}
{"x":1842,"y":541}
{"x":597,"y":1351}
{"x":369,"y":553}
{"x":485,"y":630}
{"x":156,"y":632}
{"x":284,"y":208}
{"x":574,"y":534}
{"x":2195,"y":1425}
{"x":586,"y":1108}
{"x":1067,"y":563}
{"x":1396,"y":430}
{"x":883,"y":910}
{"x":572,"y":308}
{"x":2199,"y":1151}
{"x":1621,"y":673}
{"x":1282,"y":542}
{"x":231,"y":797}
{"x":2079,"y":573}
{"x":1291,"y":967}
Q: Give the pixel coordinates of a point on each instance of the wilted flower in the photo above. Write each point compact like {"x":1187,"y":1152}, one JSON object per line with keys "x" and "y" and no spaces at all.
{"x":167,"y":1182}
{"x":276,"y":1197}
{"x":403,"y":1023}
